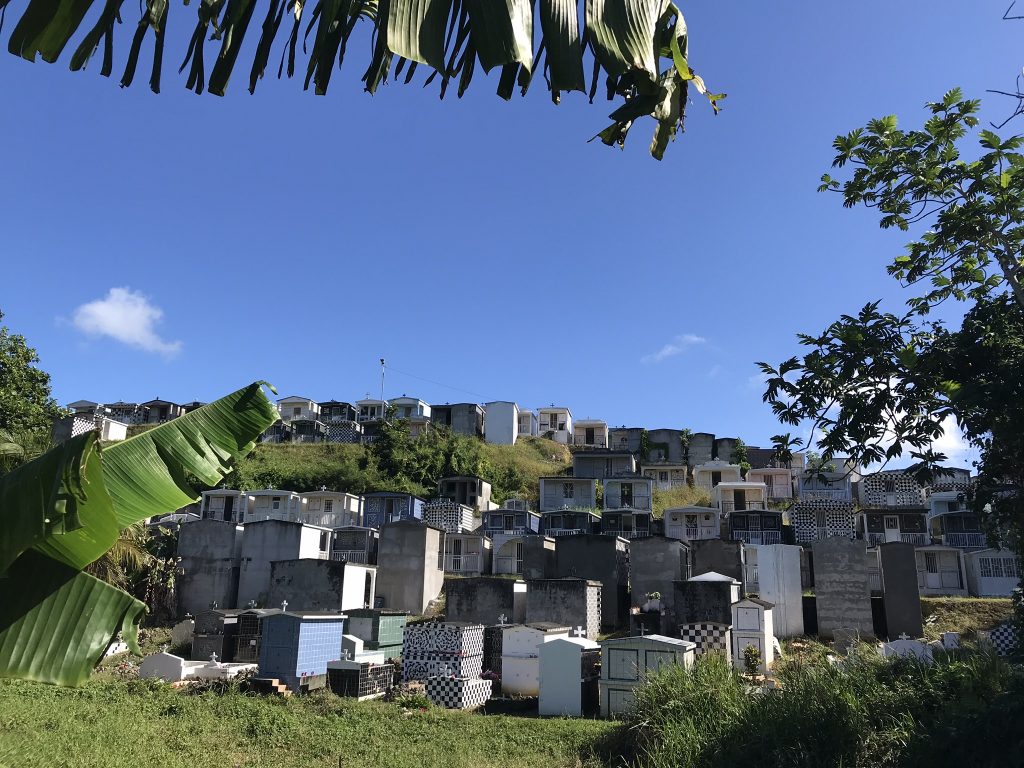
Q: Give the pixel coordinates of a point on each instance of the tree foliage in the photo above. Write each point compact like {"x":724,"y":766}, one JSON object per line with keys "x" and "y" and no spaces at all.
{"x":638,"y":49}
{"x":25,"y":402}
{"x":974,"y":207}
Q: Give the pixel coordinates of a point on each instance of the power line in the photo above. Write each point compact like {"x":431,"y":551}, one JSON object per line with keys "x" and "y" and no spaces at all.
{"x":484,"y":398}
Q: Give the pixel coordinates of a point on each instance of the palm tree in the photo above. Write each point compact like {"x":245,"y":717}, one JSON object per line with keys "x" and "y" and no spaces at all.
{"x":626,"y":39}
{"x":120,"y":565}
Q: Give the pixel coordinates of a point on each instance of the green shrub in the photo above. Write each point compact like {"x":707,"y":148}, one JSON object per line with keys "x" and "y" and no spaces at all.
{"x":962,"y":710}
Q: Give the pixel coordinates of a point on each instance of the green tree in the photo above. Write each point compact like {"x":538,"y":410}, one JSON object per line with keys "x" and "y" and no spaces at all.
{"x":877,"y":385}
{"x":638,"y":50}
{"x":25,"y":401}
{"x":740,"y":455}
{"x":973,"y":207}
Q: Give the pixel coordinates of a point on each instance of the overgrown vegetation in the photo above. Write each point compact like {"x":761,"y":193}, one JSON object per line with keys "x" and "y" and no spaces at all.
{"x":401,"y":463}
{"x":866,"y":712}
{"x":963,"y":614}
{"x":86,"y":727}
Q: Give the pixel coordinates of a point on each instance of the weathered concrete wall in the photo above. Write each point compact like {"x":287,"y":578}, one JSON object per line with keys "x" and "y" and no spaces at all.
{"x":778,"y":576}
{"x":698,"y":602}
{"x":600,"y":558}
{"x":209,"y":561}
{"x":718,"y":555}
{"x":479,"y":600}
{"x":665,"y":445}
{"x":566,"y":602}
{"x":408,"y":576}
{"x":314,"y":585}
{"x":655,"y":563}
{"x":841,"y":586}
{"x":900,"y":593}
{"x":264,"y":542}
{"x":538,"y":557}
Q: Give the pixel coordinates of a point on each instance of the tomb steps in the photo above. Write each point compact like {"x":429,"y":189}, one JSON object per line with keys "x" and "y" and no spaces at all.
{"x":271,"y":686}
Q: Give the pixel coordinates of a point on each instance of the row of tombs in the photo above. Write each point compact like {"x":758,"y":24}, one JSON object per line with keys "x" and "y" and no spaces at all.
{"x":537,"y":637}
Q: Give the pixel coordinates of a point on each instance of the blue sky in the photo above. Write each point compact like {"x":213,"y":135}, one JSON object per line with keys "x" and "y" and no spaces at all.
{"x":476,"y":244}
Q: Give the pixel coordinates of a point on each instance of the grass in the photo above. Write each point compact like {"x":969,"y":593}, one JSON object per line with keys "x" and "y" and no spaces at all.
{"x":104,"y":723}
{"x":964,"y":710}
{"x":963,"y":614}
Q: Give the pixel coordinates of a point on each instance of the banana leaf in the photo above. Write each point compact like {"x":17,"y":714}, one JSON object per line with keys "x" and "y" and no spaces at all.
{"x":56,"y":622}
{"x":416,"y":30}
{"x":623,"y":34}
{"x":559,"y":21}
{"x":63,"y":510}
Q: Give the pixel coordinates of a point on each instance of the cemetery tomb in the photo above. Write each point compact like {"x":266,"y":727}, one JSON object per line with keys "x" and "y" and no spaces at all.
{"x":520,"y":663}
{"x":907,"y":647}
{"x":779,"y":583}
{"x":380,"y":630}
{"x":626,"y":661}
{"x":434,"y":648}
{"x":842,"y":596}
{"x":295,"y":648}
{"x":752,"y":626}
{"x":458,"y":692}
{"x":1003,"y":638}
{"x":568,"y":677}
{"x":360,"y":680}
{"x":708,"y":637}
{"x":901,"y":597}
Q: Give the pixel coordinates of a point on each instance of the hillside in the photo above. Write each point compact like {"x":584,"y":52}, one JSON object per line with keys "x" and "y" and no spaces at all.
{"x":512,"y":470}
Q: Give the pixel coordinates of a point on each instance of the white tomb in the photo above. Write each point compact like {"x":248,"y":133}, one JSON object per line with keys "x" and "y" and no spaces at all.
{"x":520,"y":663}
{"x":566,"y":665}
{"x":174,"y":669}
{"x":778,"y":578}
{"x":752,"y":626}
{"x":907,"y":647}
{"x":626,"y":661}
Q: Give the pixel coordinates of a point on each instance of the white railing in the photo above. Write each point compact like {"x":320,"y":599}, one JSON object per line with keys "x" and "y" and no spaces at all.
{"x":917,"y":539}
{"x":349,"y":555}
{"x":874,"y":539}
{"x":875,"y":581}
{"x":964,"y":539}
{"x":639,"y":503}
{"x":564,"y":531}
{"x":757,"y":537}
{"x":627,"y":534}
{"x":597,"y":442}
{"x":492,"y":532}
{"x":462,"y":563}
{"x":830,"y":494}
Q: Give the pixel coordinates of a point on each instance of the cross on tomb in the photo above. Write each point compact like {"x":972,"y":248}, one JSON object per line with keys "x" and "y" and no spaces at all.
{"x":284,"y":605}
{"x":502,"y":619}
{"x":904,"y":636}
{"x":163,"y":648}
{"x":213,"y":657}
{"x":578,"y":632}
{"x":346,"y":654}
{"x":643,"y":630}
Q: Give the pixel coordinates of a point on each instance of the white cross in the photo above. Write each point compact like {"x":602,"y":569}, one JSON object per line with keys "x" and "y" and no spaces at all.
{"x":578,"y":632}
{"x":284,"y":605}
{"x":904,"y":636}
{"x":346,"y":654}
{"x":643,"y":630}
{"x":213,"y":657}
{"x":502,"y":619}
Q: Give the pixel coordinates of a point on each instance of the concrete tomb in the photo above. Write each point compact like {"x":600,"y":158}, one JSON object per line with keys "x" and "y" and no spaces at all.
{"x":482,"y":599}
{"x":778,"y":576}
{"x":905,"y":646}
{"x":568,"y":677}
{"x":601,"y":558}
{"x":752,"y":626}
{"x":841,"y":586}
{"x":705,"y":598}
{"x":626,"y":661}
{"x":901,"y":597}
{"x":520,"y":662}
{"x":566,"y":602}
{"x":718,"y":556}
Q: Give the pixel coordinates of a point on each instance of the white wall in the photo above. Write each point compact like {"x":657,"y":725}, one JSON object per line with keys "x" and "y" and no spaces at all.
{"x":501,"y":423}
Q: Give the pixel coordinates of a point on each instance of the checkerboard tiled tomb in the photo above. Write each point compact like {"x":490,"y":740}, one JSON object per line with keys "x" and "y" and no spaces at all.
{"x":707,"y":636}
{"x":458,"y":692}
{"x":442,"y":648}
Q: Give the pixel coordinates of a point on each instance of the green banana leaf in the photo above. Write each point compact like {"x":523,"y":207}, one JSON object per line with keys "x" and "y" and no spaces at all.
{"x":559,"y":21}
{"x":56,"y":622}
{"x":622,"y":33}
{"x":63,"y":510}
{"x":501,"y":31}
{"x":416,"y":30}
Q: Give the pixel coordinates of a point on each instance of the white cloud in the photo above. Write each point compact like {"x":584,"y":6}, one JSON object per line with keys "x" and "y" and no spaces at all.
{"x":714,"y":371}
{"x":677,"y":345}
{"x":756,"y":381}
{"x":952,"y":443}
{"x":126,"y":316}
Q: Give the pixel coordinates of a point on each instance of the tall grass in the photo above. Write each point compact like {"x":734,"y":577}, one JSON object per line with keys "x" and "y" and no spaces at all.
{"x":963,"y":711}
